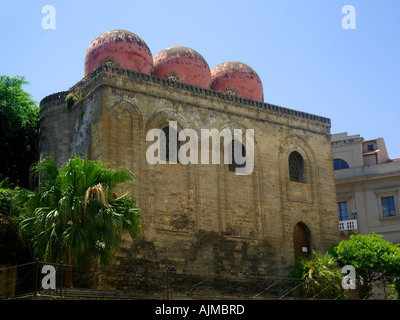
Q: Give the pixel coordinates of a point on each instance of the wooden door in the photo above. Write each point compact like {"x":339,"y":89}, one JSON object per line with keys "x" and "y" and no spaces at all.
{"x":301,"y":241}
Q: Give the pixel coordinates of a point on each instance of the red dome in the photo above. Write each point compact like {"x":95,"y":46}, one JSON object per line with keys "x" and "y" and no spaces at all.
{"x":121,"y":48}
{"x":184,"y":65}
{"x":237,"y":78}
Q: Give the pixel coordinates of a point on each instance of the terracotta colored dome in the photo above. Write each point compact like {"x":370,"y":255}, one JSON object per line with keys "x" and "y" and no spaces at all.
{"x":237,"y":78}
{"x":120,"y":48}
{"x":184,"y":65}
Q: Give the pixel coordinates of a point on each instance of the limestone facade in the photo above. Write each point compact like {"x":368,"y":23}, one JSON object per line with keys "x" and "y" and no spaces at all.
{"x":367,"y":186}
{"x":202,"y":218}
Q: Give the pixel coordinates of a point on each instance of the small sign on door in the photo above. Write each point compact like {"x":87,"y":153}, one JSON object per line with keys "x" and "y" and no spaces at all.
{"x":304,"y":249}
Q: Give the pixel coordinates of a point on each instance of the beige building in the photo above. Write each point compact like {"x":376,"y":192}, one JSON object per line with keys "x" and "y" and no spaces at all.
{"x":367,"y":187}
{"x":202,"y":218}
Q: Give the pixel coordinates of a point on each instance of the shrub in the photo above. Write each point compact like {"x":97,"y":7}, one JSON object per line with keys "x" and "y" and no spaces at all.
{"x":320,"y":276}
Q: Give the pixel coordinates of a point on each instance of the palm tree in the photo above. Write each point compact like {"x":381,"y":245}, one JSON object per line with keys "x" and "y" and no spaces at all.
{"x":320,"y":276}
{"x":75,"y":215}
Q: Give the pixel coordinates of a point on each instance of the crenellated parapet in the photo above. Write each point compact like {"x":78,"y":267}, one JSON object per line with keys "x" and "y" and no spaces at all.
{"x":88,"y":82}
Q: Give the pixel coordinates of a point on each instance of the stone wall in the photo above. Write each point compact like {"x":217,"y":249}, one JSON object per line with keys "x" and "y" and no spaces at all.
{"x":8,"y":276}
{"x":202,"y":218}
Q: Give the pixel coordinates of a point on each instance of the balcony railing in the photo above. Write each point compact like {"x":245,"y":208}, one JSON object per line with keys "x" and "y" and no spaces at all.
{"x":348,"y":225}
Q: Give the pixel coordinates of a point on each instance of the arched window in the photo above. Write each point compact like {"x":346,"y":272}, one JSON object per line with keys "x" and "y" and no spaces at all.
{"x":171,"y":154}
{"x":339,"y":164}
{"x":235,"y":164}
{"x":109,"y":61}
{"x":296,"y":167}
{"x":230,"y":90}
{"x":172,"y":75}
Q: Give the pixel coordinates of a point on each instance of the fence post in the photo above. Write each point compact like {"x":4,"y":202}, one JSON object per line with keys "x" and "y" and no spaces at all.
{"x":61,"y":269}
{"x":248,"y":286}
{"x":36,"y":275}
{"x":167,"y":285}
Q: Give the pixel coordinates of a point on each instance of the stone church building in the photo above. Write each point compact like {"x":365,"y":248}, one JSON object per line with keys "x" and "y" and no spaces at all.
{"x":199,"y":218}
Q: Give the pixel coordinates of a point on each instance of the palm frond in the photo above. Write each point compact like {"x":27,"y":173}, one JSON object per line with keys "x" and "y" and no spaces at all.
{"x":99,"y":191}
{"x":46,"y":167}
{"x":75,"y":209}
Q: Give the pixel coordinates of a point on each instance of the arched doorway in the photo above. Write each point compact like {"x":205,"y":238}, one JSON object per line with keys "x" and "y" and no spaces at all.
{"x":301,"y":241}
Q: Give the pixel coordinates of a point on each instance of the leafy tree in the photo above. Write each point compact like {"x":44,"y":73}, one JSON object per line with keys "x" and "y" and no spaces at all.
{"x":373,"y":258}
{"x":320,"y":277}
{"x":395,"y":286}
{"x":12,"y":249}
{"x":75,"y":215}
{"x":18,"y":130}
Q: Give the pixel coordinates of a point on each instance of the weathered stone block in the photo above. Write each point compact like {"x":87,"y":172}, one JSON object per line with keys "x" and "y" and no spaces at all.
{"x":201,"y":218}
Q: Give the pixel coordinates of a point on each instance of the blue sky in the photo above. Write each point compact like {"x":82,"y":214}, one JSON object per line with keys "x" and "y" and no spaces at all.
{"x":304,"y":57}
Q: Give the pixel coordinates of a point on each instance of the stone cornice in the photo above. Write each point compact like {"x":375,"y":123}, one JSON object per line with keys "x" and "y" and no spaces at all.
{"x":137,"y":76}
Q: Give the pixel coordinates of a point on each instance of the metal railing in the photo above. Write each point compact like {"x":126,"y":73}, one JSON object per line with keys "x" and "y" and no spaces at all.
{"x":141,"y":283}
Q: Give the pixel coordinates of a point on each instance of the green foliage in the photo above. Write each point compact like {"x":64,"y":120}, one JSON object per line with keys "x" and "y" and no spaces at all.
{"x":373,"y":258}
{"x":5,"y":201}
{"x":19,"y":116}
{"x":12,"y":249}
{"x":72,"y":98}
{"x":320,"y":277}
{"x":5,"y":183}
{"x":75,"y":214}
{"x":395,"y":289}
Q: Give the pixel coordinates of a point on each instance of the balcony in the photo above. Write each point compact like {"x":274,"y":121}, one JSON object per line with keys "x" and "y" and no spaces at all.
{"x":348,"y":225}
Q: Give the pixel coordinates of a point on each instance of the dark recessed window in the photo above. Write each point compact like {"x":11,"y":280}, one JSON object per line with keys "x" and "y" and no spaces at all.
{"x":109,"y":62}
{"x":370,"y":147}
{"x":342,"y":211}
{"x":173,"y":76}
{"x":170,"y":152}
{"x":230,"y":90}
{"x":388,"y":207}
{"x":234,"y":164}
{"x":296,"y":167}
{"x":339,"y":164}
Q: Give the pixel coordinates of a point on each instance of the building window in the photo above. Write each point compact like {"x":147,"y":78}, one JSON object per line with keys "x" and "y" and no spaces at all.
{"x":234,"y":164}
{"x":339,"y":164}
{"x":173,"y":76}
{"x":296,"y":167}
{"x":109,"y":61}
{"x":230,"y":93}
{"x":342,"y":211}
{"x":370,"y":147}
{"x":388,"y":207}
{"x":171,"y":155}
{"x":230,"y":90}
